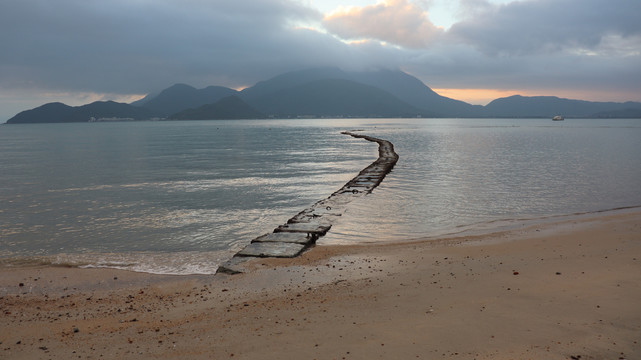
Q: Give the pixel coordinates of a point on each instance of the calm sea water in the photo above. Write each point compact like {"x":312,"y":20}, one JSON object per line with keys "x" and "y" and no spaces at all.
{"x":181,"y":197}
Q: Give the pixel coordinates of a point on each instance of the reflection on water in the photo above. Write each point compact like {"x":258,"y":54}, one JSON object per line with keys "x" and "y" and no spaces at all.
{"x":146,"y":190}
{"x":138,"y":195}
{"x":456,"y":173}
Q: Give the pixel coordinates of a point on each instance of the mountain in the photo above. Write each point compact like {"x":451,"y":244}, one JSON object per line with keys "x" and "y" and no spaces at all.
{"x":333,"y":98}
{"x":229,"y":108}
{"x":109,"y":109}
{"x":548,"y":106}
{"x":400,"y":85}
{"x":627,"y":113}
{"x":48,"y":113}
{"x":289,"y":80}
{"x":180,"y":97}
{"x":145,"y":99}
{"x":324,"y":92}
{"x":413,"y":91}
{"x":60,"y":113}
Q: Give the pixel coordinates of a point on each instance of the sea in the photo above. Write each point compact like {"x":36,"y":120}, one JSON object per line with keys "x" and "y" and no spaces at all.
{"x":181,"y":197}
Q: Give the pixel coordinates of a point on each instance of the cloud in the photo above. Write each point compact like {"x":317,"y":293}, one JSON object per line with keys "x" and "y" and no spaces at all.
{"x":547,"y":26}
{"x":129,"y":45}
{"x":458,"y":66}
{"x":549,"y":46}
{"x":398,"y":22}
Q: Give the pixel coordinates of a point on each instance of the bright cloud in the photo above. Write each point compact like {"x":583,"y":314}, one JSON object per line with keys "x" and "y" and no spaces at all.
{"x":398,"y":22}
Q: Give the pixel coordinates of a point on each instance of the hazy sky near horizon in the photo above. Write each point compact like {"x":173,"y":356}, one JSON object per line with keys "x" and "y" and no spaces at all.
{"x":78,"y":51}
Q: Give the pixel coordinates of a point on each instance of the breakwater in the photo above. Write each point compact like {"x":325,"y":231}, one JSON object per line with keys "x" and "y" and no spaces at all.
{"x":302,"y":230}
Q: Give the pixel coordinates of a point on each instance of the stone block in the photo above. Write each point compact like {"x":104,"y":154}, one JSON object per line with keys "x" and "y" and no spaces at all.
{"x":305,"y":227}
{"x":272,"y":249}
{"x":233,"y":266}
{"x":287,"y":237}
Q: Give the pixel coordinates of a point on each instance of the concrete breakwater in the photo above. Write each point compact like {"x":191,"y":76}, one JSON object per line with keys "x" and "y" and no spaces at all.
{"x":302,"y":230}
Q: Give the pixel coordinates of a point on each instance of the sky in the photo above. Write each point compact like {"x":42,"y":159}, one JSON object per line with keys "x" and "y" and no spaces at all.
{"x":80,"y":51}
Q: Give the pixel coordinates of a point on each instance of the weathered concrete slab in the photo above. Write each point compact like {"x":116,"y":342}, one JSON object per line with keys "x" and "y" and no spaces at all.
{"x":376,"y":171}
{"x":365,"y":182}
{"x":325,"y":220}
{"x":354,"y":186}
{"x":324,"y":210}
{"x":355,"y":190}
{"x":324,"y":213}
{"x":335,"y":200}
{"x":287,"y":237}
{"x":365,"y":177}
{"x":233,"y":266}
{"x":305,"y":227}
{"x":272,"y":249}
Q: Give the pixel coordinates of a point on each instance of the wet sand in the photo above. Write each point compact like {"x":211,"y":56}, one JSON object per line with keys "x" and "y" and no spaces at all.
{"x":566,"y":289}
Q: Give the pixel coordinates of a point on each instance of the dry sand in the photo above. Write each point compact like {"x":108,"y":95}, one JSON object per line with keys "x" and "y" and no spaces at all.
{"x":566,"y":289}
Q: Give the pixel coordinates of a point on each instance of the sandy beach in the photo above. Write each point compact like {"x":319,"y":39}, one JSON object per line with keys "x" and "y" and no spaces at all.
{"x":566,"y":288}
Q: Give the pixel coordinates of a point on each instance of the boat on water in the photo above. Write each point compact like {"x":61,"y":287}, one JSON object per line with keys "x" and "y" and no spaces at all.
{"x":558,"y":118}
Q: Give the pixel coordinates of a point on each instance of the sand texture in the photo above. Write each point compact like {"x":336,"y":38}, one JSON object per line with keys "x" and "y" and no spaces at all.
{"x":565,"y":289}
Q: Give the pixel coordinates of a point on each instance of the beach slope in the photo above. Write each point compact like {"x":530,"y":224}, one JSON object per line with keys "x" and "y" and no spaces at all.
{"x":564,"y":289}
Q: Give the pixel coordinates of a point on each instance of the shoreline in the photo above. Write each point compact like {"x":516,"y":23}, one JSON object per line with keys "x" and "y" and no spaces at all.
{"x":482,"y":229}
{"x":555,"y":290}
{"x":481,"y":233}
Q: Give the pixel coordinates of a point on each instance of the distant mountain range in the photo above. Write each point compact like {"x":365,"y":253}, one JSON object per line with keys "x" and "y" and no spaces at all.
{"x":546,"y":106}
{"x":322,"y":92}
{"x":59,"y":113}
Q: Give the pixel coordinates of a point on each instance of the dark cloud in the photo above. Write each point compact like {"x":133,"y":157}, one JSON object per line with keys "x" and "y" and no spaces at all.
{"x":124,"y":45}
{"x":457,"y":66}
{"x":548,"y":26}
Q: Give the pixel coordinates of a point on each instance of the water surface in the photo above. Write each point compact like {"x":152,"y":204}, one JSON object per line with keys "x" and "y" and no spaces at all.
{"x":180,"y":197}
{"x":465,"y":174}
